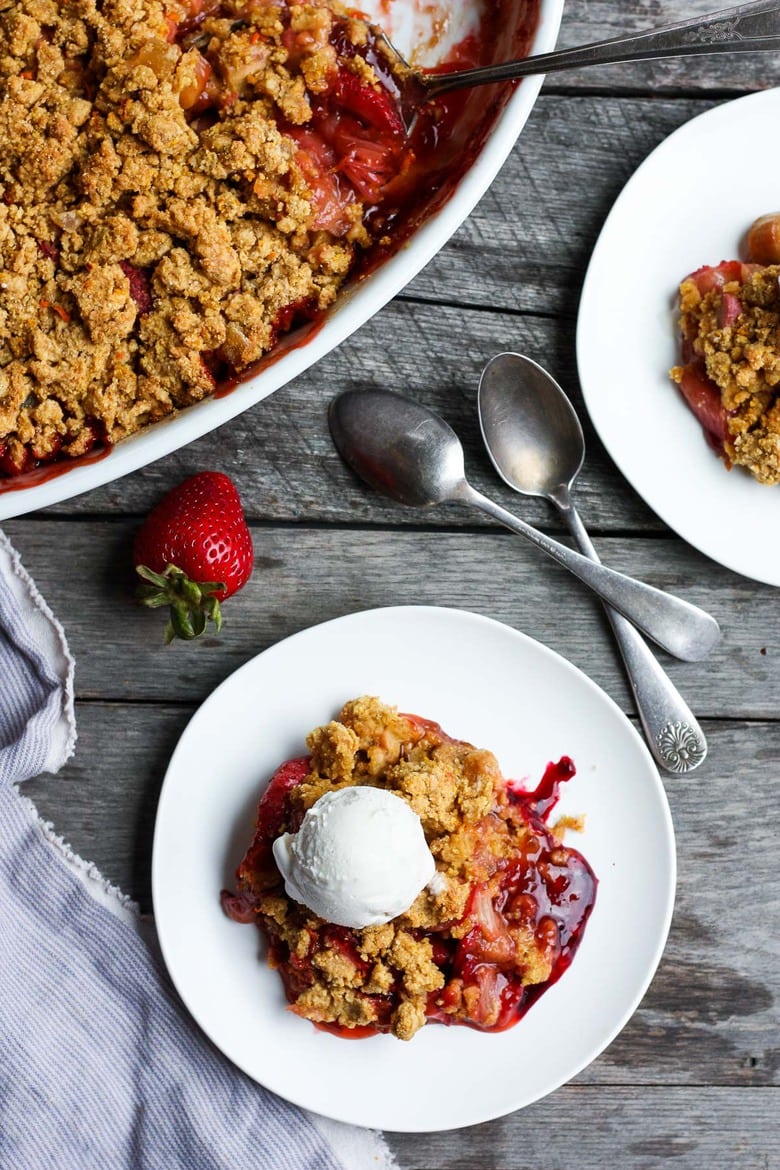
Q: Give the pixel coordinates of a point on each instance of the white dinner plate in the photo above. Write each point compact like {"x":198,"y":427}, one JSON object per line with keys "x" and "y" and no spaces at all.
{"x":484,"y":683}
{"x":685,"y":206}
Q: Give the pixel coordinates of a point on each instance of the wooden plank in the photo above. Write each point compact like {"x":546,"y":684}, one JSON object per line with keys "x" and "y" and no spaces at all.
{"x":712,"y":1013}
{"x":307,"y":575}
{"x":633,"y":1128}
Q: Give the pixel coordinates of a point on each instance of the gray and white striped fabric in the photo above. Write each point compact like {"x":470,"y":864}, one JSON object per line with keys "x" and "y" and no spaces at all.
{"x":100,"y":1065}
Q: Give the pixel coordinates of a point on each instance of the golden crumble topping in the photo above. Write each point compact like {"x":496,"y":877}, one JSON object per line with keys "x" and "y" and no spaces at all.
{"x":730,"y":323}
{"x":502,"y":916}
{"x":170,"y":201}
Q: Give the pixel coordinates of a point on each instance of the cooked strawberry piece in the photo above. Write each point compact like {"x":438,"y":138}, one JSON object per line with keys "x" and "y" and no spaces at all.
{"x":703,"y":397}
{"x":369,"y":166}
{"x":365,"y":157}
{"x":354,"y":144}
{"x":318,"y":162}
{"x":140,"y":286}
{"x":239,"y":907}
{"x":373,"y":106}
{"x":257,"y":871}
{"x":273,"y":808}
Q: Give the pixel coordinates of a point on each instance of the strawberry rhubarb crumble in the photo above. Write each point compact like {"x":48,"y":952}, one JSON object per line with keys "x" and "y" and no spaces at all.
{"x":492,"y":903}
{"x":730,"y":376}
{"x":182,"y":182}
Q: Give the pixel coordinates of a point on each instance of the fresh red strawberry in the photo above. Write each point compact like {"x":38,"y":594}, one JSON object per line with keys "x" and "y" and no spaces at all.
{"x":193,"y":546}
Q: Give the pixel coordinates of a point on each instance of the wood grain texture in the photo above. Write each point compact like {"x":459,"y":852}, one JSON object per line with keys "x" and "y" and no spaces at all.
{"x":634,"y":1128}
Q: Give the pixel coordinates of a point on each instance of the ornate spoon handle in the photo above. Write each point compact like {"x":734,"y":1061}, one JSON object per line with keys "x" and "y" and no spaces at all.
{"x":673,"y":735}
{"x":747,"y":28}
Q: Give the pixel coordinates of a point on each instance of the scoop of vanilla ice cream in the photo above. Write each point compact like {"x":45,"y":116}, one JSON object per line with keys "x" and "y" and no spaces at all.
{"x":359,"y":858}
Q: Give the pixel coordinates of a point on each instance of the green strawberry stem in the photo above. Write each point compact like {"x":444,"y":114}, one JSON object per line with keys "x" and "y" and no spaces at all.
{"x":192,"y":603}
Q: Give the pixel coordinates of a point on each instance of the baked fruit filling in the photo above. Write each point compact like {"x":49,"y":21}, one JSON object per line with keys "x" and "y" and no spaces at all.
{"x":182,"y":183}
{"x":498,"y":923}
{"x":730,"y":371}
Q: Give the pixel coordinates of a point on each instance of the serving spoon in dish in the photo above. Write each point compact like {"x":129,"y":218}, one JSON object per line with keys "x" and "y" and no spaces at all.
{"x":409,"y":453}
{"x":746,"y":28}
{"x":534,"y":438}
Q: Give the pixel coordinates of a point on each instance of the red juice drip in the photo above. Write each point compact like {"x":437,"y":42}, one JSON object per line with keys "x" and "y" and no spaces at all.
{"x":543,"y":799}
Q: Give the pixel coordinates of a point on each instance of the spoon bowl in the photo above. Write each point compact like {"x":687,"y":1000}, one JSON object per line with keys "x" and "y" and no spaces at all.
{"x":530,"y":429}
{"x":398,"y":447}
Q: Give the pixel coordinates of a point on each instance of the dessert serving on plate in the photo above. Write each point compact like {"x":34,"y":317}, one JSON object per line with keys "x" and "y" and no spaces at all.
{"x":730,"y":376}
{"x":182,"y":184}
{"x":400,"y":879}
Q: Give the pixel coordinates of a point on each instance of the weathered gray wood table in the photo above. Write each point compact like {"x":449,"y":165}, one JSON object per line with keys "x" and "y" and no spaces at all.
{"x":694,"y":1079}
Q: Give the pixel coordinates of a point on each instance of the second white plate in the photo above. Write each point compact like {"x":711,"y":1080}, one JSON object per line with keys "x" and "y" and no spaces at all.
{"x":676,"y":213}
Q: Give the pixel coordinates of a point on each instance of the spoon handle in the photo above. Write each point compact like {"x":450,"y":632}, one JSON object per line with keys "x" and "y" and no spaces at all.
{"x":678,"y":627}
{"x":747,"y":28}
{"x":673,"y":734}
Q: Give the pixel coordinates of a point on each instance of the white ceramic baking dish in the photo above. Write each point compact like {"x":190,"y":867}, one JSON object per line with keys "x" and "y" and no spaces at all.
{"x":402,"y":19}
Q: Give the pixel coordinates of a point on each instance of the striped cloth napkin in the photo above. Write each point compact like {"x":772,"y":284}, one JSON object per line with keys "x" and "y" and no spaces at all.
{"x":101,"y":1068}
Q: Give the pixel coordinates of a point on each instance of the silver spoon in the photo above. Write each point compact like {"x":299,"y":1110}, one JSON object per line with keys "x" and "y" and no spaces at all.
{"x":746,"y":28}
{"x":410,"y":454}
{"x":535,"y":440}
